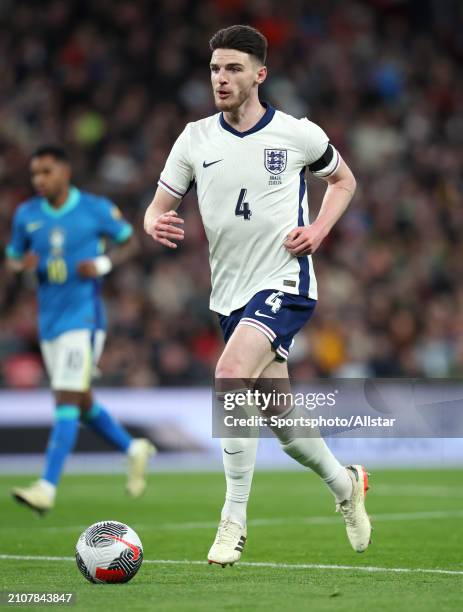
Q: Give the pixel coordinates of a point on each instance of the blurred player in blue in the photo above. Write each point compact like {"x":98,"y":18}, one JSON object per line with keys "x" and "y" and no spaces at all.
{"x":60,"y":235}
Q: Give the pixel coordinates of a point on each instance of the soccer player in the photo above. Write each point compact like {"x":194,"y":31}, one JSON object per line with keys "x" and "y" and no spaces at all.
{"x":60,"y":236}
{"x":248,"y":162}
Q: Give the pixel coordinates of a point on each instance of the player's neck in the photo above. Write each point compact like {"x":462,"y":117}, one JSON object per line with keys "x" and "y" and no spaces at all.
{"x":60,"y":199}
{"x":245,"y":116}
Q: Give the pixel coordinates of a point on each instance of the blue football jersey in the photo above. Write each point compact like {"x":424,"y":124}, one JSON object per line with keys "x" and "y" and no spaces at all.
{"x":62,"y":238}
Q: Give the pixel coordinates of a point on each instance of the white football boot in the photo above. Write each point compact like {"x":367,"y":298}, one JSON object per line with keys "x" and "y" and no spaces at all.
{"x":228,"y":544}
{"x":139,"y":454}
{"x":37,"y":496}
{"x":358,"y":525}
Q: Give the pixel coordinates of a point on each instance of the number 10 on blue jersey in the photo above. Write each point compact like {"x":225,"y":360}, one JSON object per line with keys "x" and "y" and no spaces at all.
{"x":57,"y":270}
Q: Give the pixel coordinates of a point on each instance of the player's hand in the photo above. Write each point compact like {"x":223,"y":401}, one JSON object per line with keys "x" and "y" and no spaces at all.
{"x":87,"y":269}
{"x":30,"y":262}
{"x":304,"y":240}
{"x":166,"y":228}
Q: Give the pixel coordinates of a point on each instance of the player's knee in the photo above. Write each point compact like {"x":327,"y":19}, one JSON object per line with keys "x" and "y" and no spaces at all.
{"x":86,"y":402}
{"x":81,"y":400}
{"x":228,"y":369}
{"x":71,"y":398}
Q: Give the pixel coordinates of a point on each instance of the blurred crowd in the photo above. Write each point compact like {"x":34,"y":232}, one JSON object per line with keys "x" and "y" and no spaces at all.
{"x":115,"y":81}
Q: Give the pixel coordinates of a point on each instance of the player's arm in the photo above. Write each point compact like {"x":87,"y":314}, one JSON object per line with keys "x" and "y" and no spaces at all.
{"x":124,"y":245}
{"x":103,"y":264}
{"x":162,"y":222}
{"x":19,"y":257}
{"x":161,"y":219}
{"x":27,"y":263}
{"x":339,"y":193}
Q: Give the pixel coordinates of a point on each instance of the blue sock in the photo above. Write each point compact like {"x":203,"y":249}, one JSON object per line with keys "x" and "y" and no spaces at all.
{"x":102,"y":423}
{"x":61,"y":441}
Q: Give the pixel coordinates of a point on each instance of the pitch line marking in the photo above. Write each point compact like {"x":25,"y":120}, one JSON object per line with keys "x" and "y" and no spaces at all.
{"x":318,"y":520}
{"x":269,"y":522}
{"x":290,"y":566}
{"x":414,"y":490}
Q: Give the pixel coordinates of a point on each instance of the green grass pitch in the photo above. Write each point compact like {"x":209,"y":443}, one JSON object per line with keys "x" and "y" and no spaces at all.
{"x":418,"y":520}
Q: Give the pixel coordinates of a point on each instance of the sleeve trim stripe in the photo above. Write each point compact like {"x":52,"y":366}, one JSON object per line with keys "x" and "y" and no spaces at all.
{"x":124,"y":234}
{"x":171,"y":190}
{"x":12,"y":253}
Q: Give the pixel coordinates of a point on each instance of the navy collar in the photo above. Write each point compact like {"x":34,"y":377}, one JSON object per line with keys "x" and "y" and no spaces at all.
{"x":263,"y":121}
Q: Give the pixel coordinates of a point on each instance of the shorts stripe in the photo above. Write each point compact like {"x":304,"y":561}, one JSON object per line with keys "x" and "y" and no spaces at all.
{"x":304,"y":270}
{"x":260,"y":326}
{"x":88,"y":367}
{"x":282,"y":352}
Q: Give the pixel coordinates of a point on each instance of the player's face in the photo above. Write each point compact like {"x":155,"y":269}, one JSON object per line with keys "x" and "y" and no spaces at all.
{"x":50,"y":176}
{"x":234,"y":76}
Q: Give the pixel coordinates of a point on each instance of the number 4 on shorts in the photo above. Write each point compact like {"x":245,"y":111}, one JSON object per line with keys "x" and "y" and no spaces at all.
{"x":274,"y":301}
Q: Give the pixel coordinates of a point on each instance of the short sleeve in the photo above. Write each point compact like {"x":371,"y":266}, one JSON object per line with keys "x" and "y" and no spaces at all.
{"x":320,"y":155}
{"x":19,"y":242}
{"x":177,"y":175}
{"x":112,"y":223}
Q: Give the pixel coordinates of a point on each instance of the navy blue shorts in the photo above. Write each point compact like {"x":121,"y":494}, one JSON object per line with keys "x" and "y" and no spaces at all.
{"x":278,"y":315}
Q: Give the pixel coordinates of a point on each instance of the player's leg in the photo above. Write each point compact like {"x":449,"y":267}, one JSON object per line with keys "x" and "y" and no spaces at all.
{"x":348,"y":484}
{"x":99,"y":419}
{"x":138,"y":450}
{"x":279,"y":327}
{"x":246,"y":354}
{"x":311,"y":452}
{"x":66,"y":358}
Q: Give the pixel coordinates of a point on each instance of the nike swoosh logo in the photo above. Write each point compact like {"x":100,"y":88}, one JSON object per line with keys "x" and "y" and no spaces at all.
{"x":133,"y":548}
{"x":31,"y":227}
{"x":261,"y":314}
{"x":229,"y":453}
{"x":206,"y":165}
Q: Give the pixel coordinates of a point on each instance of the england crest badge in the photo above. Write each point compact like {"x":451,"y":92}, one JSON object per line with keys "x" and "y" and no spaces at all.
{"x":275,"y":160}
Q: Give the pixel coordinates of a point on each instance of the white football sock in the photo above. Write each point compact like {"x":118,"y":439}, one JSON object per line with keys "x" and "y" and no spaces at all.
{"x":239,"y":458}
{"x":49,"y":488}
{"x":135,"y":446}
{"x":314,"y":454}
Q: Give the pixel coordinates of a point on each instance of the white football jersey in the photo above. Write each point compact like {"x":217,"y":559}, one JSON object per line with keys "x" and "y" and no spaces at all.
{"x":251,"y":193}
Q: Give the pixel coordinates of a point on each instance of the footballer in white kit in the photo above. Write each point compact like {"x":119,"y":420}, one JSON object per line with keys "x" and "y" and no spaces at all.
{"x":248,"y":163}
{"x":251,"y":194}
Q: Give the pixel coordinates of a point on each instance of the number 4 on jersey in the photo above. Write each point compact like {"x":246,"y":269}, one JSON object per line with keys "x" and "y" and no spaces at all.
{"x":242,"y":208}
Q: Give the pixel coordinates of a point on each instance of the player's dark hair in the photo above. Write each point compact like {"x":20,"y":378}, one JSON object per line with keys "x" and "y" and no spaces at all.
{"x":242,"y":38}
{"x":54,"y":150}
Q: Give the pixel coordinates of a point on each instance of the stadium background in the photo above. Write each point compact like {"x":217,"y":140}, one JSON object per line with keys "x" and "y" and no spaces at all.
{"x":115,"y":82}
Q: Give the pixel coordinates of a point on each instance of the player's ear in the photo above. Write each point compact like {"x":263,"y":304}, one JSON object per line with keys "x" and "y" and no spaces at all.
{"x":261,"y":75}
{"x":67,"y":171}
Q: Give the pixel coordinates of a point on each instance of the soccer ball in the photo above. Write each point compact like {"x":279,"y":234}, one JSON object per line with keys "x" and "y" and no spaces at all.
{"x":109,"y":551}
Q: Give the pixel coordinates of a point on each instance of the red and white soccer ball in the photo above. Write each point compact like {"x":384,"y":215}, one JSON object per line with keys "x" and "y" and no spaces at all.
{"x":109,"y":551}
